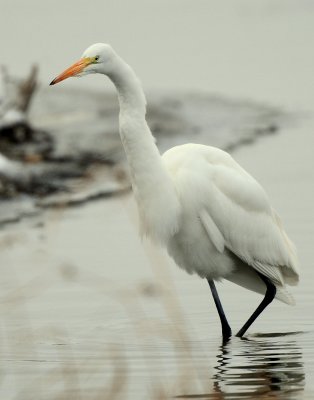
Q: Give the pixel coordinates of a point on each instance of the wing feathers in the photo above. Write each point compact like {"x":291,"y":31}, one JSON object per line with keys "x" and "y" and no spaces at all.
{"x":255,"y":237}
{"x":213,"y":232}
{"x":270,"y":271}
{"x":234,"y":210}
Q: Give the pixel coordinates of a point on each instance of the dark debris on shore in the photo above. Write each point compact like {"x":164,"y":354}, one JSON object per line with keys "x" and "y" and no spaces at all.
{"x":63,"y":146}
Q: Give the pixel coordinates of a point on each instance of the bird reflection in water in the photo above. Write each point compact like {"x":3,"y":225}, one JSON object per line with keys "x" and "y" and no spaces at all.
{"x":263,"y":366}
{"x":259,"y":367}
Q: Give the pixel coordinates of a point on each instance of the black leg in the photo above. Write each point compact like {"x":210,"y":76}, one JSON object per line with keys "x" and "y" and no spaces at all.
{"x":226,"y":330}
{"x":269,"y":297}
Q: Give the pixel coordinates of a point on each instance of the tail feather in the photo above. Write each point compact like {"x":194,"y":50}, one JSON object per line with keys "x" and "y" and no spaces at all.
{"x":246,"y":277}
{"x":285,"y":296}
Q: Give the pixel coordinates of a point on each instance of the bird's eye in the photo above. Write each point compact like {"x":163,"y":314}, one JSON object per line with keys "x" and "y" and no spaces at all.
{"x":96,"y":58}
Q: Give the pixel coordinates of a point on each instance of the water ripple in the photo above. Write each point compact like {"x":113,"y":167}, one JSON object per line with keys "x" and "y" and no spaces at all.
{"x":263,"y":366}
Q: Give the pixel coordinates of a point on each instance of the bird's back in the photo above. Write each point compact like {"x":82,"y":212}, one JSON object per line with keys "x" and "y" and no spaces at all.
{"x":226,"y":216}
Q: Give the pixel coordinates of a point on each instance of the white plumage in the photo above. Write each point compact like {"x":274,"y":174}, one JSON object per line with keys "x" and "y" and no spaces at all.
{"x":225,"y":212}
{"x":213,"y":217}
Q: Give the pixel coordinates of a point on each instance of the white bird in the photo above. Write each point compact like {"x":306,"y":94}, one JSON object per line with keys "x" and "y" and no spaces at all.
{"x":211,"y":215}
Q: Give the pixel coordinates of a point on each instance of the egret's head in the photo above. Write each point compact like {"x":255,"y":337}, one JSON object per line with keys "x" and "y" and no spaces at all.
{"x":98,"y":58}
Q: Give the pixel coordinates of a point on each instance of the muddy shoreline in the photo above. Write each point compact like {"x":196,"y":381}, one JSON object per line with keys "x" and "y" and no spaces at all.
{"x":75,"y":154}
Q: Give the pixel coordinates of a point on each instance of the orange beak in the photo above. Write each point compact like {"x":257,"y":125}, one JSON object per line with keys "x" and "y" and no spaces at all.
{"x":74,"y":70}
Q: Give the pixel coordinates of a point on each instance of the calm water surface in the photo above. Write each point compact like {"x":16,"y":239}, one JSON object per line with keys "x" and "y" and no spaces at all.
{"x":76,"y":325}
{"x":71,"y":326}
{"x":260,"y":365}
{"x":89,"y":311}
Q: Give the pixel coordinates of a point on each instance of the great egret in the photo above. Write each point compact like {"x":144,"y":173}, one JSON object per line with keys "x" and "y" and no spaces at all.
{"x":213,"y":217}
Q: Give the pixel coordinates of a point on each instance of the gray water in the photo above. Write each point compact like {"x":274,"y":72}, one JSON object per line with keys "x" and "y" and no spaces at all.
{"x":85,"y":307}
{"x":263,"y":364}
{"x":88,"y":311}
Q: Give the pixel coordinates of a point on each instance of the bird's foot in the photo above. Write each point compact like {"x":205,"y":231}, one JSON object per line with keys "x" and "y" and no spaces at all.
{"x":226,"y":334}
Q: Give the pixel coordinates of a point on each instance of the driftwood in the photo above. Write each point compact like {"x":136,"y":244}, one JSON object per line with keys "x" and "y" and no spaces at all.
{"x":18,"y":93}
{"x":29,"y":163}
{"x":18,"y":139}
{"x":76,"y":155}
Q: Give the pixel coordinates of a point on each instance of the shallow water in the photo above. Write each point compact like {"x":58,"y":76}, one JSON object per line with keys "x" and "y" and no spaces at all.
{"x":262,"y":364}
{"x":89,"y":311}
{"x":81,"y":317}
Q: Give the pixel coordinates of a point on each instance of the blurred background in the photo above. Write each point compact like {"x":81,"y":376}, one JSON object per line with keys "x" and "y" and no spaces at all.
{"x":258,"y":50}
{"x":88,"y":310}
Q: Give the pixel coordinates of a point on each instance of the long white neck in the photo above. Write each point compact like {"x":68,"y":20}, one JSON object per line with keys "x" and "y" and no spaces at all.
{"x":153,"y":188}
